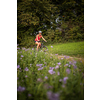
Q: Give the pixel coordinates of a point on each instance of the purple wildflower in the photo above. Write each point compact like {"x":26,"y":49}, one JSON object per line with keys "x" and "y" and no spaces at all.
{"x":40,"y":68}
{"x":51,"y":68}
{"x":30,"y":65}
{"x":18,"y":66}
{"x":39,"y":80}
{"x":22,"y":56}
{"x":31,"y":53}
{"x":64,"y":79}
{"x":68,"y":70}
{"x":60,"y":80}
{"x":26,"y":50}
{"x":45,"y":62}
{"x":51,"y":46}
{"x":18,"y":48}
{"x":20,"y":88}
{"x":66,"y":57}
{"x":32,"y":48}
{"x":26,"y":69}
{"x":63,"y":85}
{"x":52,"y":96}
{"x":29,"y":95}
{"x":58,"y":73}
{"x":56,"y":54}
{"x":17,"y":78}
{"x":51,"y":72}
{"x":17,"y":44}
{"x":62,"y":58}
{"x":70,"y":62}
{"x":69,"y":65}
{"x":59,"y":63}
{"x":25,"y":75}
{"x":74,"y":62}
{"x":75,"y":66}
{"x":39,"y":65}
{"x":46,"y":77}
{"x":23,"y":48}
{"x":56,"y":67}
{"x":65,"y":65}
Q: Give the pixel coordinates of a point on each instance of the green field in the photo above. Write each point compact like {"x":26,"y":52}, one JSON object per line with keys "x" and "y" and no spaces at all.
{"x":42,"y":76}
{"x":71,"y":49}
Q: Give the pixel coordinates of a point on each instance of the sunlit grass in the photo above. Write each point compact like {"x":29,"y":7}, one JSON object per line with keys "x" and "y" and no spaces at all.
{"x":75,"y":49}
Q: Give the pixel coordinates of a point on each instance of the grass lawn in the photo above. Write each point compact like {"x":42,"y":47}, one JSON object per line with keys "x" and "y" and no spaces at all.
{"x":75,"y":49}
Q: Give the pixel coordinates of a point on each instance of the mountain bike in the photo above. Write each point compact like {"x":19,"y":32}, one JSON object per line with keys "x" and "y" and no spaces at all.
{"x":42,"y":48}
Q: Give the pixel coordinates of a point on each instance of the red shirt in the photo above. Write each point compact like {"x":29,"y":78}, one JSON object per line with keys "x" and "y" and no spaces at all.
{"x":38,"y":38}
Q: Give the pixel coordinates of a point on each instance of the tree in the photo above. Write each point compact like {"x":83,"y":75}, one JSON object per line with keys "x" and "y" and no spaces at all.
{"x":33,"y":15}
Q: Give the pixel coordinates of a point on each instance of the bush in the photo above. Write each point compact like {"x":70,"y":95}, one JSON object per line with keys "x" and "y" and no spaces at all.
{"x":74,"y":33}
{"x":28,"y":41}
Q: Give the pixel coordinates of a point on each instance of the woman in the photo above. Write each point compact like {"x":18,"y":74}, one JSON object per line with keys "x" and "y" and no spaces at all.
{"x":37,"y":40}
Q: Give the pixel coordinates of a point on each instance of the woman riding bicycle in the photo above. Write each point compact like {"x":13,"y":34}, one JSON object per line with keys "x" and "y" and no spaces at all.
{"x":37,"y":40}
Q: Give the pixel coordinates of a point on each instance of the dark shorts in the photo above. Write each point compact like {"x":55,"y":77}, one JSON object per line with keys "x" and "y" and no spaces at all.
{"x":37,"y":41}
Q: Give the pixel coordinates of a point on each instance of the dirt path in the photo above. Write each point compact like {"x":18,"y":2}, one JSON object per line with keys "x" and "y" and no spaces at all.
{"x":69,"y":58}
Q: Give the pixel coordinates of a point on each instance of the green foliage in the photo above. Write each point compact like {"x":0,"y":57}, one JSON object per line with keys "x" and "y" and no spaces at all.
{"x":74,"y":33}
{"x":27,"y":41}
{"x":57,"y":36}
{"x":35,"y":15}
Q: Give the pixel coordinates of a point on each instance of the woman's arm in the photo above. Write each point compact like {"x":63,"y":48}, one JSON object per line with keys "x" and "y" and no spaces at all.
{"x":44,"y":39}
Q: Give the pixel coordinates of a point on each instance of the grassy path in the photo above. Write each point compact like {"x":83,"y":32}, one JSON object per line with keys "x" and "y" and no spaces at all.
{"x":69,"y":58}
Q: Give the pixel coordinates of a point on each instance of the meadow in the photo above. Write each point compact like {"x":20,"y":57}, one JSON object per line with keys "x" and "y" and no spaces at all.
{"x":75,"y":49}
{"x":42,"y":76}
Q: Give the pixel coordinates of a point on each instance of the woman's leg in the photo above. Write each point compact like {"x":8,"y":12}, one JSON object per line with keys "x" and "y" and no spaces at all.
{"x":40,"y":45}
{"x":37,"y":45}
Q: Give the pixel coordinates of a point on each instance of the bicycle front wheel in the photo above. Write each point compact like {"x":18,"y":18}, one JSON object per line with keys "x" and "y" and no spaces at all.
{"x":45,"y":49}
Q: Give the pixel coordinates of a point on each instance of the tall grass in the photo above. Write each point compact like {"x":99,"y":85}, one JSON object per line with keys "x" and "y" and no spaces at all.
{"x":41,"y":76}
